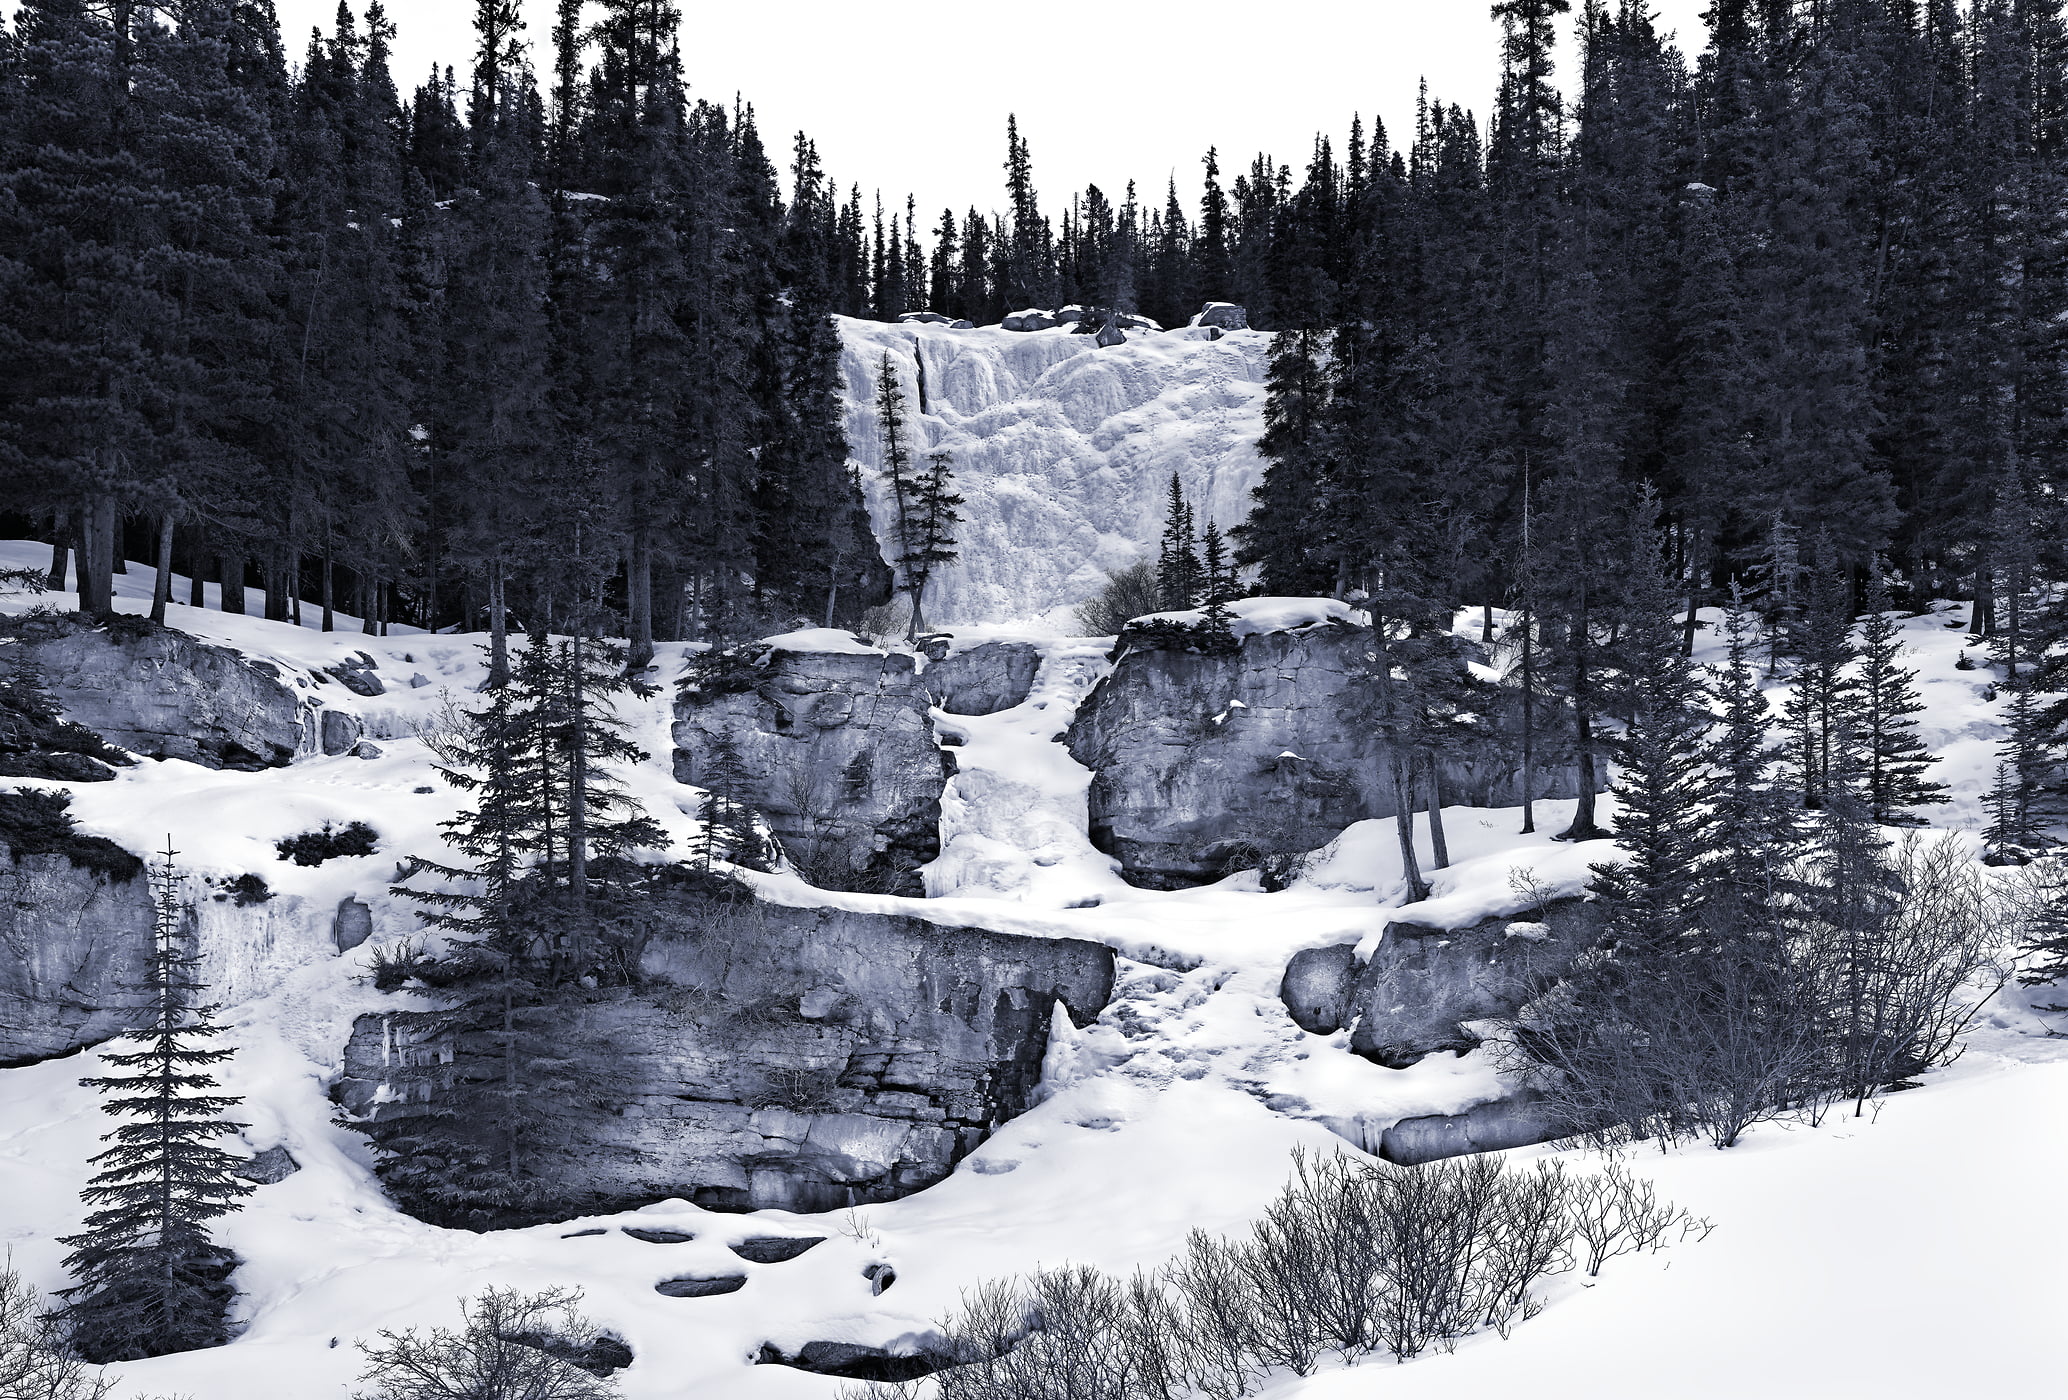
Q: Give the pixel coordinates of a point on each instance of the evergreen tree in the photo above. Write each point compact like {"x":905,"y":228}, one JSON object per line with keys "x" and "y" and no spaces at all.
{"x":1757,"y":831}
{"x":1664,"y":785}
{"x":730,"y":831}
{"x":1895,"y":759}
{"x":929,"y":539}
{"x":1823,"y":705}
{"x":1177,"y":558}
{"x":1217,"y":586}
{"x":151,"y":1279}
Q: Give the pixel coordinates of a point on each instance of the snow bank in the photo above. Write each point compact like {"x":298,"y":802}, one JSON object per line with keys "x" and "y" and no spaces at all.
{"x":1063,"y":450}
{"x":1256,"y":615}
{"x":822,"y":639}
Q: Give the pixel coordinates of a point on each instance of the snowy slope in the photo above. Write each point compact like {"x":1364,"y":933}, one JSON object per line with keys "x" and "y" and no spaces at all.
{"x":1063,"y":451}
{"x":1898,"y":1256}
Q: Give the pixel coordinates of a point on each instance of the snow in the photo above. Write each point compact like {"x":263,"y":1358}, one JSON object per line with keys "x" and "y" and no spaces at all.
{"x":821,"y":639}
{"x":1911,"y":1252}
{"x":1256,"y":615}
{"x":1063,"y":451}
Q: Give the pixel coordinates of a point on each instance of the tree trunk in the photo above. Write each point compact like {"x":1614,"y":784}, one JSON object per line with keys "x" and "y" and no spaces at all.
{"x":1404,"y":827}
{"x":161,"y":587}
{"x":498,"y":630}
{"x":1486,"y":623}
{"x":329,"y":595}
{"x":60,"y":551}
{"x":231,"y":567}
{"x":96,"y":556}
{"x":1583,"y":827}
{"x":1439,"y":847}
{"x":639,"y":603}
{"x":1529,"y":723}
{"x":197,"y":582}
{"x":275,"y":577}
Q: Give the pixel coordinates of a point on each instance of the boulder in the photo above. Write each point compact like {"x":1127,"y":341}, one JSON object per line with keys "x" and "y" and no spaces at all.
{"x":352,"y":925}
{"x":1514,"y":1121}
{"x":340,"y":731}
{"x":1424,"y":985}
{"x":1111,"y":335}
{"x":1224,"y":315}
{"x":357,"y":675}
{"x":272,"y":1165}
{"x":985,"y":679}
{"x":962,"y":325}
{"x":839,"y":756}
{"x":931,"y":318}
{"x":76,"y":940}
{"x":793,"y":1059}
{"x":1030,"y":321}
{"x":1317,"y":985}
{"x":1128,"y":322}
{"x":1204,"y":759}
{"x":160,"y":693}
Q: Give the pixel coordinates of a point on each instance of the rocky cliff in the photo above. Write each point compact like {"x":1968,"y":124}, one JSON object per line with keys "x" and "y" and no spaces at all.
{"x":984,"y":679}
{"x":837,"y":753}
{"x":803,"y":1059}
{"x":158,"y":692}
{"x":1200,"y":760}
{"x":76,"y":939}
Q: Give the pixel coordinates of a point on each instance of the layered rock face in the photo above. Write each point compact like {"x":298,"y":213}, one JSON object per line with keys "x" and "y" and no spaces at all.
{"x":1199,"y":758}
{"x":985,"y":679}
{"x":839,"y":756}
{"x":76,"y":943}
{"x":802,"y":1059}
{"x":162,"y":694}
{"x":1423,"y":985}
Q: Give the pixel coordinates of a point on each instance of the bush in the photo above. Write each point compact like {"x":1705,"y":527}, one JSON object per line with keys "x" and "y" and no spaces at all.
{"x":246,"y":890}
{"x":1353,"y":1258}
{"x":513,"y":1346}
{"x":315,"y":847}
{"x":35,"y":1361}
{"x":1127,"y":595}
{"x":35,"y":823}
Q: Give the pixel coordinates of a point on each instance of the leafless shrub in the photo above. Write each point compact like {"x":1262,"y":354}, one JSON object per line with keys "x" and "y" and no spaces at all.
{"x":446,"y":729}
{"x":35,"y":1362}
{"x":1614,"y":1213}
{"x":1353,"y":1257}
{"x":499,"y":1354}
{"x":1129,"y":594}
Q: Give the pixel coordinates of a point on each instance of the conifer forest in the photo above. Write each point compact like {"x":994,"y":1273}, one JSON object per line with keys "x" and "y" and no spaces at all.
{"x":1446,"y":750}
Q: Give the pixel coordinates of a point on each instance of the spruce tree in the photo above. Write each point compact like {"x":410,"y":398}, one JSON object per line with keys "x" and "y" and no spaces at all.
{"x":1663,"y":785}
{"x":1757,"y":831}
{"x":1824,"y":701}
{"x":151,"y":1278}
{"x":929,"y":536}
{"x":1895,"y":759}
{"x":1177,"y":557}
{"x":730,"y":830}
{"x":1217,"y":587}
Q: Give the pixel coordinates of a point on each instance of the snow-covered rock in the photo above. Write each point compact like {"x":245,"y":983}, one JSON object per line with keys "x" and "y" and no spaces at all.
{"x":1225,"y":315}
{"x":838,"y":752}
{"x":1063,"y":450}
{"x":1267,"y":750}
{"x":797,"y":1059}
{"x":984,"y":679}
{"x":76,"y":942}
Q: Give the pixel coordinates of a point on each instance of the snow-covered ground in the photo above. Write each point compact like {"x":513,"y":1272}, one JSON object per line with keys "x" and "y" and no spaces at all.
{"x":1063,"y":451}
{"x":1913,"y":1253}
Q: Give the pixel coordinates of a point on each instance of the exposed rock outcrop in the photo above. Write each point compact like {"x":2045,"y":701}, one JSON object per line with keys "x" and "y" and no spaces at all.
{"x":985,"y":679}
{"x":1224,"y":314}
{"x":1423,"y":985}
{"x":1200,"y":759}
{"x":1515,"y":1121}
{"x":160,"y":693}
{"x":839,"y":756}
{"x":76,"y":941}
{"x":804,"y":1059}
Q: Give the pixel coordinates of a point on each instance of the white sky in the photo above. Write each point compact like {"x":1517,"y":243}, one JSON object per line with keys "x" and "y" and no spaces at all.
{"x":912,"y":94}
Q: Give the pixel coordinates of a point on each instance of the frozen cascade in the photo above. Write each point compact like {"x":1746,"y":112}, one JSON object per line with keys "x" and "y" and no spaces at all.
{"x":1063,"y":451}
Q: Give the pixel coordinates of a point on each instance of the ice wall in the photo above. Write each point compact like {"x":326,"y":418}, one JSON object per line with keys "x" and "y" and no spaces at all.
{"x":1063,"y":451}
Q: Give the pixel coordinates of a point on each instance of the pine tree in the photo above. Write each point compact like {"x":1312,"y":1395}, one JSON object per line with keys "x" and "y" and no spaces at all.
{"x":1757,"y":831}
{"x":730,"y":830}
{"x":1217,"y":587}
{"x":1824,"y":700}
{"x":1177,"y":558}
{"x":1664,"y":785}
{"x":1895,"y":758}
{"x":929,"y":536}
{"x":151,"y":1279}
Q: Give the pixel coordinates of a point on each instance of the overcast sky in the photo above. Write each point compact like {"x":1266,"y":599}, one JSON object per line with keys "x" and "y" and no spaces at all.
{"x":912,"y":94}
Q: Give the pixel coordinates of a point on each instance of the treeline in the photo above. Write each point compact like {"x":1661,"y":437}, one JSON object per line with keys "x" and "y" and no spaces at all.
{"x":505,"y":349}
